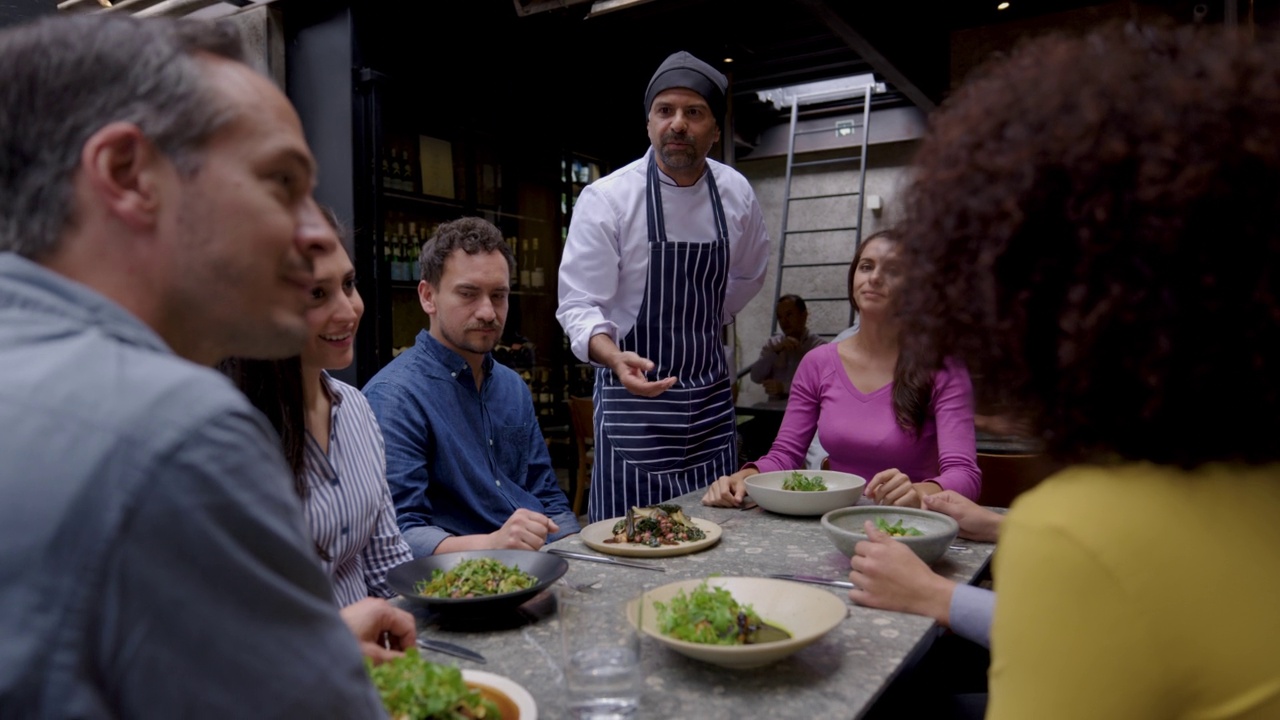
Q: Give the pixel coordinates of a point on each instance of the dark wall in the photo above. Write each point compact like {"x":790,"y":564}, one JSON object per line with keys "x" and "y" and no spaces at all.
{"x":16,"y":11}
{"x":318,"y":78}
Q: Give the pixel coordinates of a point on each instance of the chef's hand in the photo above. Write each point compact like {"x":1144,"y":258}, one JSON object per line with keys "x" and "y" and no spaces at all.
{"x":976,"y":522}
{"x":524,"y":530}
{"x":374,"y":622}
{"x":889,"y":576}
{"x":728,"y":490}
{"x":891,"y":487}
{"x":631,"y":368}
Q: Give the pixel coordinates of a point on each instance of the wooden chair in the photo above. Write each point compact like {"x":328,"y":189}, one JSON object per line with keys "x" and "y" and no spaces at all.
{"x":580,"y":414}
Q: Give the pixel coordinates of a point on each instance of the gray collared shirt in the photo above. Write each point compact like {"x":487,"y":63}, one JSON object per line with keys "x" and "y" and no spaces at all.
{"x":154,"y":561}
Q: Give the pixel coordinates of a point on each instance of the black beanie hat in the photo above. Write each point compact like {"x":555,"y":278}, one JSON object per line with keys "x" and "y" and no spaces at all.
{"x":682,"y":70}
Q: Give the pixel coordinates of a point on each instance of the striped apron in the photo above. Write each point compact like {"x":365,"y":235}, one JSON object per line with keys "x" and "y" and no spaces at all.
{"x":649,"y":450}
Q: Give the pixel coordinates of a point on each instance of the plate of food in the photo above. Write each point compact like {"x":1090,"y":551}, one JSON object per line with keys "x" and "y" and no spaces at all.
{"x":804,"y":492}
{"x":929,"y":534}
{"x":412,"y":687}
{"x":736,"y":622}
{"x":488,"y":579}
{"x":655,"y":531}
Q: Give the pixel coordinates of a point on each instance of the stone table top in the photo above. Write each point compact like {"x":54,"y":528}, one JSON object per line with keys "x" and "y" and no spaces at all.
{"x":839,"y":676}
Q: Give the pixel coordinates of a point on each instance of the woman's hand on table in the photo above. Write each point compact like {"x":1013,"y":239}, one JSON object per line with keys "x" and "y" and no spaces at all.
{"x":377,"y":625}
{"x":892,"y":487}
{"x":728,"y":490}
{"x":976,"y":522}
{"x":890,"y":576}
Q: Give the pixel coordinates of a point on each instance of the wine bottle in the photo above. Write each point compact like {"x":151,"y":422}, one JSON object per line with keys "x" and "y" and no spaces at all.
{"x":545,"y":398}
{"x":400,"y":273}
{"x":536,"y":278}
{"x":395,"y":168}
{"x":526,"y":279}
{"x":515,"y":257}
{"x":387,"y":236}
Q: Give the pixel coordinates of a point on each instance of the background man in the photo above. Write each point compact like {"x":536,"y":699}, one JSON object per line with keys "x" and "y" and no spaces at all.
{"x":659,"y":256}
{"x":155,"y":205}
{"x":781,"y":354}
{"x":466,"y":461}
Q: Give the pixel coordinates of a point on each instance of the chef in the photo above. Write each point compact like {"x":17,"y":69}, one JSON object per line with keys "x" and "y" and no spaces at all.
{"x":660,"y":255}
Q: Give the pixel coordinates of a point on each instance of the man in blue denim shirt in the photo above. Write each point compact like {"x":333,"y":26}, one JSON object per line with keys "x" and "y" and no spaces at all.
{"x":466,"y":461}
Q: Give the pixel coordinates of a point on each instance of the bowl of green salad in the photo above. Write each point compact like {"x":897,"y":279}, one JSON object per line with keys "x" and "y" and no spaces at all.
{"x":476,"y":579}
{"x":804,"y":492}
{"x":736,"y":622}
{"x":927,"y":533}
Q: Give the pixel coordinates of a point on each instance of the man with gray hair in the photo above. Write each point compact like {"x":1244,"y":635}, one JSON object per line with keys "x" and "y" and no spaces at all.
{"x":156,"y":215}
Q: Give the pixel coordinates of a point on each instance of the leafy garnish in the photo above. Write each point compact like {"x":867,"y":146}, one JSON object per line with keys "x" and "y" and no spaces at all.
{"x":655,"y":526}
{"x":476,"y":577}
{"x":708,"y":615}
{"x":797,"y":481}
{"x":896,"y":529}
{"x":415,"y":689}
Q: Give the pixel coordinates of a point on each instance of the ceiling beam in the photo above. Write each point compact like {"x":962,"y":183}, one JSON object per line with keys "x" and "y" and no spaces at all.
{"x":877,"y":60}
{"x":529,"y":7}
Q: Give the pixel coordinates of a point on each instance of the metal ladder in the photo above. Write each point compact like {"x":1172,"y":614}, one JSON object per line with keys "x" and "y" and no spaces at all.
{"x":863,"y":86}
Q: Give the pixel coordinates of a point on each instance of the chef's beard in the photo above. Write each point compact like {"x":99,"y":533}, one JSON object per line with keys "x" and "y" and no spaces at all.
{"x":678,"y":159}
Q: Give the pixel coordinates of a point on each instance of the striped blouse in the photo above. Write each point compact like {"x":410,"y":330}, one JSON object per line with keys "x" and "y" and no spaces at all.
{"x":348,"y":505}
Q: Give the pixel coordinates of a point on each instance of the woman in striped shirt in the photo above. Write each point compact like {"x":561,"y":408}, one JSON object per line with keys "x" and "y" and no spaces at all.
{"x":332,"y":440}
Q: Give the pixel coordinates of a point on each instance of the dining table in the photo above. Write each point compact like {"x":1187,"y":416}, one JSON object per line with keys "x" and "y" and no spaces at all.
{"x":838,"y":676}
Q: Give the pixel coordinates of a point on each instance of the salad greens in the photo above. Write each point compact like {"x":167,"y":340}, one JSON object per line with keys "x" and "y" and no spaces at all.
{"x":476,"y":577}
{"x":708,"y":615}
{"x":896,"y":529}
{"x":415,"y":689}
{"x":797,"y":481}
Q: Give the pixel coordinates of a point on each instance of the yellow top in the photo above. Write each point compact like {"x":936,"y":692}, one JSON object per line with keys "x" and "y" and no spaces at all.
{"x":1137,"y":592}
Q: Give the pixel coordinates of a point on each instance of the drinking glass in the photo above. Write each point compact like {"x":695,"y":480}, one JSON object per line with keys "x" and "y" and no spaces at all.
{"x":601,"y":656}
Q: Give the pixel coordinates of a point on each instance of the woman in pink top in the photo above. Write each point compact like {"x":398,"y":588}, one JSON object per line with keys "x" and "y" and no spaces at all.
{"x":877,"y":413}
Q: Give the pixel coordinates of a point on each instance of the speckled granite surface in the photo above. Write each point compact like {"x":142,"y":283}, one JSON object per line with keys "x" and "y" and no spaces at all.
{"x":839,"y":676}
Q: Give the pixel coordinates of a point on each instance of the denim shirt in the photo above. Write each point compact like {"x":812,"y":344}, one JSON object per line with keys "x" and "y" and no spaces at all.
{"x":460,"y":461}
{"x":154,"y":559}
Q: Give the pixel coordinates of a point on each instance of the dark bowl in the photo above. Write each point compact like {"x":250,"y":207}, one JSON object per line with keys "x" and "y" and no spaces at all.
{"x":546,"y":568}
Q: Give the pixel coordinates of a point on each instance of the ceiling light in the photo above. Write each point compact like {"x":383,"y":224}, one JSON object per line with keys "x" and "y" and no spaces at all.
{"x":600,"y":7}
{"x":728,"y":59}
{"x":1003,"y":6}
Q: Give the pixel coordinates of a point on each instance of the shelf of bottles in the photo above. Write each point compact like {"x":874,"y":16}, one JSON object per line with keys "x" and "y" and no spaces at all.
{"x":576,"y":172}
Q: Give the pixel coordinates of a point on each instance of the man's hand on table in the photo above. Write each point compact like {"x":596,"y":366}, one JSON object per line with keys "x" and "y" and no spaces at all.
{"x":374,"y":622}
{"x":890,"y":576}
{"x":524,"y":530}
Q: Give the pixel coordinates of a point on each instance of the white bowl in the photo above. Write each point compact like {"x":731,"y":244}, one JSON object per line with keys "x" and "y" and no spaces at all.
{"x":846,"y":529}
{"x":515,"y":694}
{"x":806,"y":612}
{"x":843,"y":490}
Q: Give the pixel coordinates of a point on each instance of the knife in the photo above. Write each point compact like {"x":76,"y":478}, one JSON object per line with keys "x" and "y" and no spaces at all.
{"x":449,"y":648}
{"x":603,"y":559}
{"x":814,"y":579}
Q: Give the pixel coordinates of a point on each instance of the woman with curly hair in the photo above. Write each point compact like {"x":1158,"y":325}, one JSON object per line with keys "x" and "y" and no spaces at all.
{"x":1094,"y":229}
{"x":877,"y":411}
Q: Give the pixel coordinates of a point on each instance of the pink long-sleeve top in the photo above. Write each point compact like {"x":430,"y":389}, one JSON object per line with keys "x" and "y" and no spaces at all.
{"x":861,"y":434}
